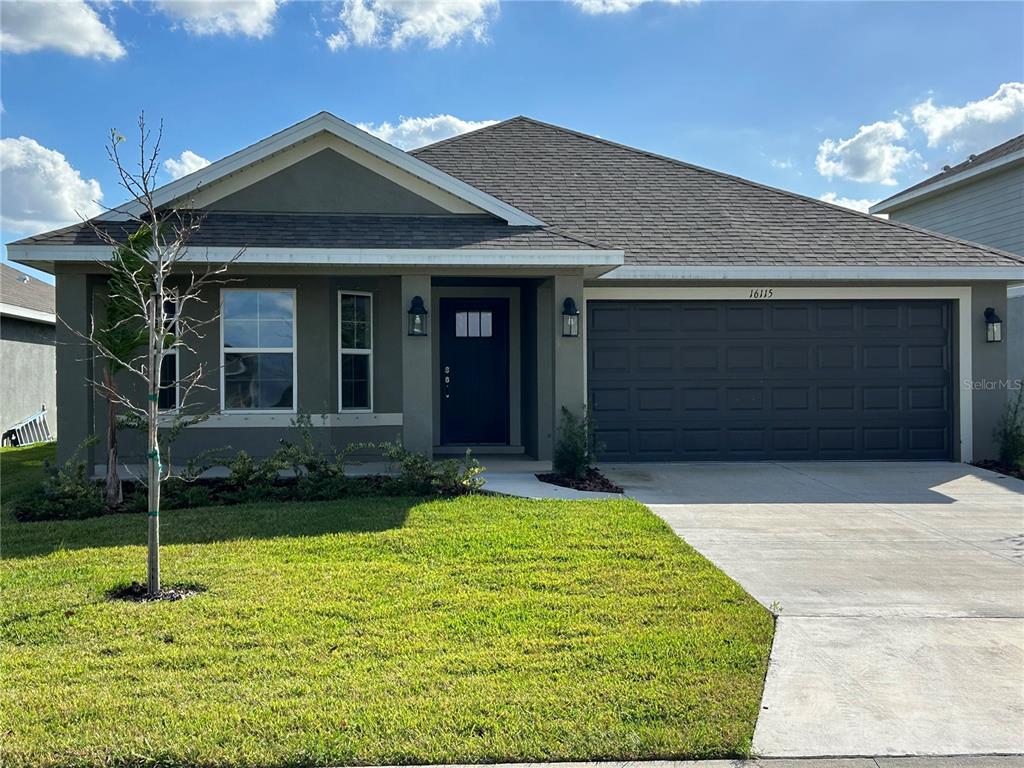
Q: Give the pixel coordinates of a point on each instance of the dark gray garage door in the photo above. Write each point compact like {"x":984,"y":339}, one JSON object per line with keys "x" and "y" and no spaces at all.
{"x":708,"y":381}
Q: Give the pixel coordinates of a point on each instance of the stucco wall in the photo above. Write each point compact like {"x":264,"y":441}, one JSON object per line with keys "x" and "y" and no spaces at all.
{"x":28,"y":371}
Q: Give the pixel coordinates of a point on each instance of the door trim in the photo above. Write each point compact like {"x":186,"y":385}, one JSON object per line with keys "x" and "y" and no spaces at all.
{"x":512,"y":293}
{"x":961,"y":294}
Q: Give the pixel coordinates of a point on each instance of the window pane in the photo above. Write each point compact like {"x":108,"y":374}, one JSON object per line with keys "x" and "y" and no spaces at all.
{"x":258,"y":380}
{"x":168,"y":374}
{"x":241,"y":333}
{"x":355,"y":381}
{"x":275,"y":365}
{"x":460,"y":324}
{"x":275,"y":333}
{"x":474,"y":324}
{"x":275,"y":305}
{"x":240,"y":304}
{"x":240,"y":380}
{"x":485,"y":323}
{"x":275,"y":393}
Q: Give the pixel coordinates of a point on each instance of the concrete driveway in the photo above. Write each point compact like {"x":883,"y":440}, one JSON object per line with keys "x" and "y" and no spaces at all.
{"x":900,"y":592}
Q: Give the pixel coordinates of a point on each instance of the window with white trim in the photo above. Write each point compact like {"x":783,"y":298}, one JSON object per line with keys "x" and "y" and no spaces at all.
{"x":355,"y":351}
{"x":168,"y":395}
{"x":258,"y":330}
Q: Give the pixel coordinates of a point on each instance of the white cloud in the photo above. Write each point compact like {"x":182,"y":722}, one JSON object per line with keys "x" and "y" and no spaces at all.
{"x":873,"y":155}
{"x":412,"y":132}
{"x":977,"y":125}
{"x":857,"y":204}
{"x":252,"y":18}
{"x":70,"y":26}
{"x":40,"y":189}
{"x":397,"y":22}
{"x":621,"y":6}
{"x":187,"y":162}
{"x":781,"y":165}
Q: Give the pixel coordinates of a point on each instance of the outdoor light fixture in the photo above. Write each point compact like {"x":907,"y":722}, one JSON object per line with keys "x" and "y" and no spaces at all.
{"x":570,"y":318}
{"x":417,"y":317}
{"x":993,"y":325}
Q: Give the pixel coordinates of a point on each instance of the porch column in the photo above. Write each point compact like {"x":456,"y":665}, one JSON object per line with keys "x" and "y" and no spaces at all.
{"x":568,"y":359}
{"x":74,"y":394}
{"x":417,"y":374}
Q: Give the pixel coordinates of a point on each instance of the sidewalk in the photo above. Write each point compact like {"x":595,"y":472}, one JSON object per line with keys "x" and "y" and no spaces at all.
{"x":971,"y":761}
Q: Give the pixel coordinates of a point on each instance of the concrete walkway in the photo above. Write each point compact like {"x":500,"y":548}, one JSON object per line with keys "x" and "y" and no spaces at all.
{"x":900,"y":589}
{"x":517,"y":476}
{"x":975,"y":761}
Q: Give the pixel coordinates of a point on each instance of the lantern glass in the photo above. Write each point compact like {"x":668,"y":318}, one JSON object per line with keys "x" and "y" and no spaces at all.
{"x":570,"y":325}
{"x":993,"y":326}
{"x":417,"y":317}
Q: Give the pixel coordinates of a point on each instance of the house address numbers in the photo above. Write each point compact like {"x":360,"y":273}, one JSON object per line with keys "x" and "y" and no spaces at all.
{"x":761,"y":293}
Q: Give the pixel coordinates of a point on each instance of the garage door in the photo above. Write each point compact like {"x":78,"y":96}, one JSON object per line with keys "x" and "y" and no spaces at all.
{"x":745,"y":381}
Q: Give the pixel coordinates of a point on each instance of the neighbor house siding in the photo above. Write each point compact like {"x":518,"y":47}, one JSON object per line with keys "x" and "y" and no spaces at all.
{"x":28,"y":371}
{"x":989,"y":211}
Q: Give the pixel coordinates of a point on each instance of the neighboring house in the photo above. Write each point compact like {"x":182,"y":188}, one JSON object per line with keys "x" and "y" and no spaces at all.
{"x":721,"y":319}
{"x":28,"y":367}
{"x":980,"y":199}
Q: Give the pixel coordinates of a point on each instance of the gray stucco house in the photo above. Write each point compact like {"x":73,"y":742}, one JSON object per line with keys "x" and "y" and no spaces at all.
{"x":719,"y":319}
{"x":980,"y":199}
{"x":28,"y":359}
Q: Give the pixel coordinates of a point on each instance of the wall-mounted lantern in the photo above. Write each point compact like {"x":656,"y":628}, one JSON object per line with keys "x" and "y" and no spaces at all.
{"x":993,"y":325}
{"x":570,"y":318}
{"x":417,"y":317}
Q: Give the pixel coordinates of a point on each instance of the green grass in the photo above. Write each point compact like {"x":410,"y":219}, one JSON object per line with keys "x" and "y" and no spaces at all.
{"x":372,"y":631}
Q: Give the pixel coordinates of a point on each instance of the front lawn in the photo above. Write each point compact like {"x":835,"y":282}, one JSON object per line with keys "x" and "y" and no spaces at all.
{"x":372,"y":631}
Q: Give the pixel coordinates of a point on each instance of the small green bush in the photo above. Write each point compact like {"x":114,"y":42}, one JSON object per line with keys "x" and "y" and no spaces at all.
{"x":1010,"y":432}
{"x":575,"y":449}
{"x":419,"y":476}
{"x":66,"y":493}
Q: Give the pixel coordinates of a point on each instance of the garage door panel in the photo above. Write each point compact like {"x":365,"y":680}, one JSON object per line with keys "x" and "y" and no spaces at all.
{"x":788,"y":380}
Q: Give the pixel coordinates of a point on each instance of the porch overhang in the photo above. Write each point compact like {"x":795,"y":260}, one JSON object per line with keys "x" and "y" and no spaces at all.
{"x":594,"y":262}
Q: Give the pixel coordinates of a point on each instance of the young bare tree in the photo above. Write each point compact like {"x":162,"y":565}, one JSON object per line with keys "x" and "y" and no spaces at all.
{"x":156,"y":284}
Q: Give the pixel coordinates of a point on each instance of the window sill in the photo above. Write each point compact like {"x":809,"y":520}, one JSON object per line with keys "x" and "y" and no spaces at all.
{"x":235,"y":420}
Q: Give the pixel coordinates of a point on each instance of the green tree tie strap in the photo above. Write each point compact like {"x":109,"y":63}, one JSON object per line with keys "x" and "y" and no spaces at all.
{"x":154,"y":398}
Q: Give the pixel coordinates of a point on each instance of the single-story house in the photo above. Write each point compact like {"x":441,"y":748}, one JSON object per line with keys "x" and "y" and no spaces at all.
{"x":719,"y":319}
{"x":980,"y":199}
{"x":28,"y":360}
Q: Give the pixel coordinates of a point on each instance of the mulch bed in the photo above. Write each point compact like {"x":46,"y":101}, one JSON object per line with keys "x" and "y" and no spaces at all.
{"x":593,"y":480}
{"x":1002,"y":469}
{"x":138,"y":593}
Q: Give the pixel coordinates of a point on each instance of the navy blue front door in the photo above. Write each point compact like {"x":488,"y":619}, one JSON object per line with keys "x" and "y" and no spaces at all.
{"x":474,"y":345}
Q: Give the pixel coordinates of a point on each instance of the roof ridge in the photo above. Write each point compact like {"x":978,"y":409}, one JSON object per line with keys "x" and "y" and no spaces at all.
{"x":759,"y":185}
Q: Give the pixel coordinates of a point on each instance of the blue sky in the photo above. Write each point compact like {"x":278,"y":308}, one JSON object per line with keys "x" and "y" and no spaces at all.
{"x":855,"y":100}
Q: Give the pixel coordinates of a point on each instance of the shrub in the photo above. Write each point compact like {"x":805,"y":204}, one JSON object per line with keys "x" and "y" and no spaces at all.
{"x":575,"y":449}
{"x":1010,"y":432}
{"x":420,"y":476}
{"x":66,"y":492}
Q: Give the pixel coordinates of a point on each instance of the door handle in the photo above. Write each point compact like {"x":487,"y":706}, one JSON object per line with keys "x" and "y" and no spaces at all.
{"x":447,"y":381}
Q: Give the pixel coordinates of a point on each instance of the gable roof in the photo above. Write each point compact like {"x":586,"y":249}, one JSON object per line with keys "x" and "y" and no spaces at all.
{"x":663,"y":211}
{"x":325,"y":122}
{"x":24,"y":296}
{"x":1000,"y":156}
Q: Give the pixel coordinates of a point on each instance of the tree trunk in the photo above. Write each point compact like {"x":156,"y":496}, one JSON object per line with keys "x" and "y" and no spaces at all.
{"x":113,"y":490}
{"x":153,"y":560}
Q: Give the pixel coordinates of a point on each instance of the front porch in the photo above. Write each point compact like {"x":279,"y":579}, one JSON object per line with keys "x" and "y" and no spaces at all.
{"x":490,"y":375}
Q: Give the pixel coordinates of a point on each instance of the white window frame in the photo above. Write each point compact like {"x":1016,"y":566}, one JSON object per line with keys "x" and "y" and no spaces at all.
{"x":259,"y":350}
{"x":177,"y":365}
{"x":342,"y":351}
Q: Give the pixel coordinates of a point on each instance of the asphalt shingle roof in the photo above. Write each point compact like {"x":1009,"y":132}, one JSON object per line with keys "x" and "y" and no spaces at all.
{"x":22,"y":290}
{"x":662,"y":211}
{"x":339,"y":231}
{"x":1015,"y":144}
